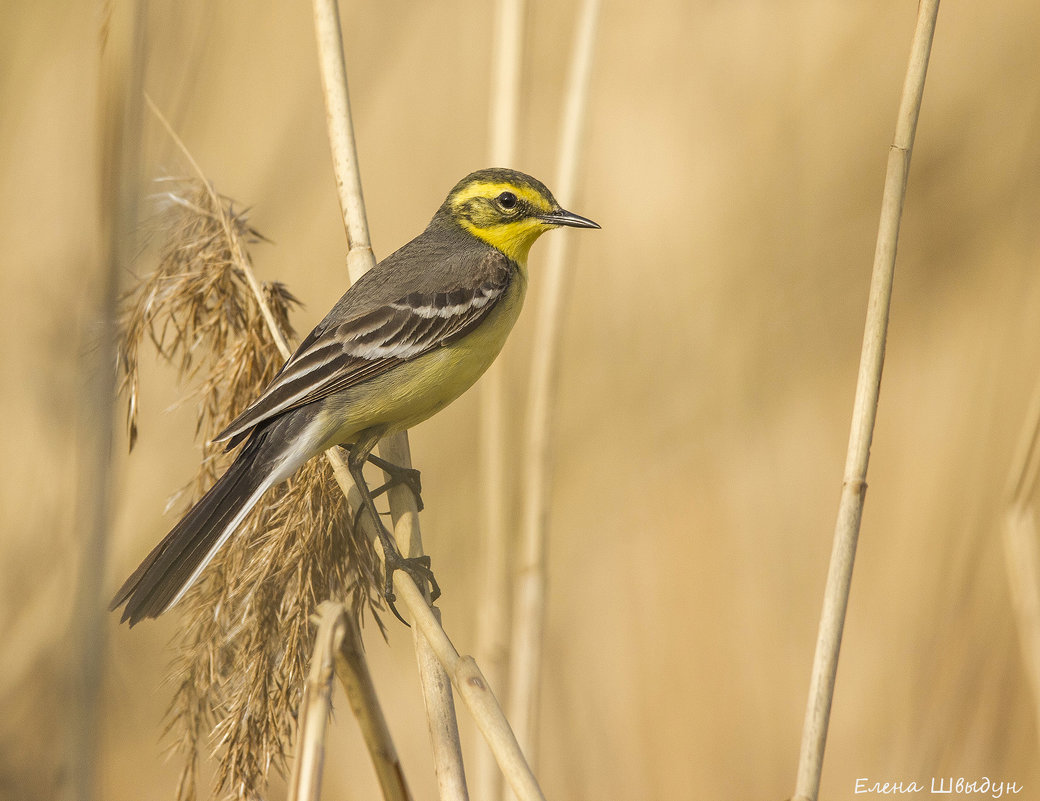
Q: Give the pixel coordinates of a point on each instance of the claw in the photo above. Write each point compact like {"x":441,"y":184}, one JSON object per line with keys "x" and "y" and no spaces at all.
{"x":390,"y":598}
{"x":418,"y":567}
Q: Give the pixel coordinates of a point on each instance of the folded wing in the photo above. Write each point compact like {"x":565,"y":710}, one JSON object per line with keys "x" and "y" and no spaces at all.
{"x":359,"y":349}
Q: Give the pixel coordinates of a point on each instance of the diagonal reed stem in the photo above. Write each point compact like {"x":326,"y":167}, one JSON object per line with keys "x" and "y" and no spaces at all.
{"x":864,"y":412}
{"x":352,"y":670}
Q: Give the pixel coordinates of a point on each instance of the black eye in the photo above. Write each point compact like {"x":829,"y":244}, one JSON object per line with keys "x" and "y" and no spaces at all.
{"x":507,"y":200}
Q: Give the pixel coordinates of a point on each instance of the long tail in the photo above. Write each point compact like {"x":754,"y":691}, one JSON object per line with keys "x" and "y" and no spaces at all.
{"x":176,"y":562}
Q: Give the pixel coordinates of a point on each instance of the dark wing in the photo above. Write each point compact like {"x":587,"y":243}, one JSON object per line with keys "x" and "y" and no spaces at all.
{"x":342,"y":355}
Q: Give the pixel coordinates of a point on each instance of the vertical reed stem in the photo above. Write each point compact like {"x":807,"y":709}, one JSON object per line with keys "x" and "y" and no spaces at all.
{"x":529,"y":600}
{"x":868,"y":386}
{"x":316,"y":705}
{"x":119,"y":127}
{"x":436,"y":685}
{"x":493,"y":614}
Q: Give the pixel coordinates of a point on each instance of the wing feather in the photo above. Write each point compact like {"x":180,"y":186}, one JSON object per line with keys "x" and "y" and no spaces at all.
{"x":370,"y":344}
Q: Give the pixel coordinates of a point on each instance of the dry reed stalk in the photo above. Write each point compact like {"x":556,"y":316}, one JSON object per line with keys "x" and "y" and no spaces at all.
{"x":493,"y":614}
{"x":440,"y":717}
{"x":244,"y":650}
{"x":352,"y":669}
{"x":354,"y":677}
{"x":316,"y":704}
{"x":363,"y":698}
{"x":864,"y":412}
{"x":440,"y":705}
{"x":529,"y":595}
{"x":1022,"y":546}
{"x":479,"y":698}
{"x":338,"y":650}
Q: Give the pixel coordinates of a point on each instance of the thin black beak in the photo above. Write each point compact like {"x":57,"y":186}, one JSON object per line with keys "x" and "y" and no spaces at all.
{"x":569,"y":218}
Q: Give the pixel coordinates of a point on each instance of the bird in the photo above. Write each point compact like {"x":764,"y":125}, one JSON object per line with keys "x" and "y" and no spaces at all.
{"x":404,"y":341}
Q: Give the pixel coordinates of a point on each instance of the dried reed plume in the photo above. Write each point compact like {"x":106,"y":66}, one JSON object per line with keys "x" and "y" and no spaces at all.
{"x":247,"y":637}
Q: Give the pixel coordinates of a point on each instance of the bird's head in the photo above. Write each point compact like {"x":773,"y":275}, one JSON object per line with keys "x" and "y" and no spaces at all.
{"x":507,"y":209}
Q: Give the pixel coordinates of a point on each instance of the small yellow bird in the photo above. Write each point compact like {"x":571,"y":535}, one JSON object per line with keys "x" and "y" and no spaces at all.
{"x":407,"y":339}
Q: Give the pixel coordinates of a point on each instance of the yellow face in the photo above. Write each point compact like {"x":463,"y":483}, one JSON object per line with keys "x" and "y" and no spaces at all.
{"x":506,"y":209}
{"x":506,"y":215}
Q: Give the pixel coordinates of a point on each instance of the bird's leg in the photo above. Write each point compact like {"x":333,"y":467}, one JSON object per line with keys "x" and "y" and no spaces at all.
{"x":399,"y":475}
{"x":418,"y":567}
{"x":406,"y":476}
{"x":356,"y":519}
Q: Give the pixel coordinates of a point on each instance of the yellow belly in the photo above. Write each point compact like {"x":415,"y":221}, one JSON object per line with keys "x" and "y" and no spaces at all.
{"x":416,"y":390}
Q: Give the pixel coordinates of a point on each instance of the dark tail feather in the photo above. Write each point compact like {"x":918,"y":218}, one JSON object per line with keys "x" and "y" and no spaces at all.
{"x":174,"y":563}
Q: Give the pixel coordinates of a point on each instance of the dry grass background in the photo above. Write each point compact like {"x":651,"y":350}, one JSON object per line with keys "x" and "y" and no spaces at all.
{"x":735,"y":158}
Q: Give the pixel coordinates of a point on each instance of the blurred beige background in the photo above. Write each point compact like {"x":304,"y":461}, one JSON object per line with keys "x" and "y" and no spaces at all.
{"x":734,"y":156}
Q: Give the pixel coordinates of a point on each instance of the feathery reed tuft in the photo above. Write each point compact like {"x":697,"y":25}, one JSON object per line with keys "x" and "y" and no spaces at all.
{"x":247,"y":636}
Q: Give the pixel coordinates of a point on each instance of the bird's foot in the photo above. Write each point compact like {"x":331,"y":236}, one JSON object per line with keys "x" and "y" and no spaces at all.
{"x":399,"y":476}
{"x":418,"y":567}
